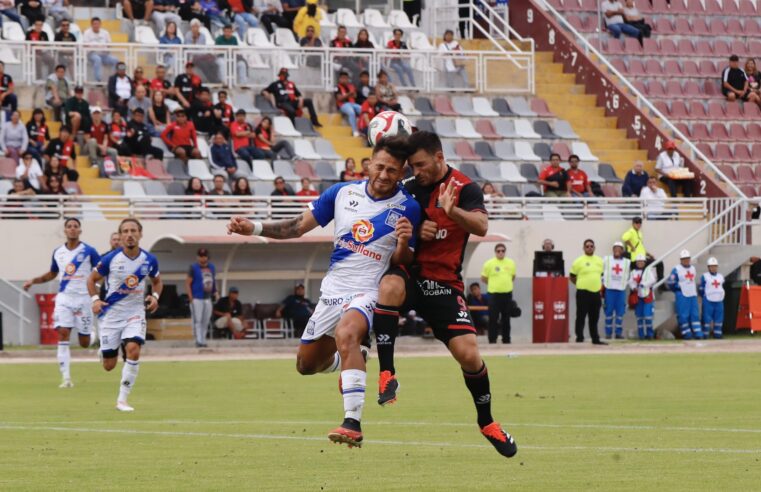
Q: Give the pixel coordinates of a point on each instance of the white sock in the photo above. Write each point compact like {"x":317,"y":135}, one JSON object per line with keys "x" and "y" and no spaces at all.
{"x":353,"y":384}
{"x":64,"y":359}
{"x":335,"y":365}
{"x":129,"y":374}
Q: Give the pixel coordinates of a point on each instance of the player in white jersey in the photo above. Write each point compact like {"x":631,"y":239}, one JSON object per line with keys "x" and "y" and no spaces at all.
{"x":72,"y":264}
{"x":375,"y":223}
{"x":122,"y":313}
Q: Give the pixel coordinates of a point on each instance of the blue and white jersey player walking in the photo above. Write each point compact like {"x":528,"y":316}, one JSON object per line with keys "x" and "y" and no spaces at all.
{"x":375,"y":222}
{"x":122,"y":313}
{"x":72,"y":263}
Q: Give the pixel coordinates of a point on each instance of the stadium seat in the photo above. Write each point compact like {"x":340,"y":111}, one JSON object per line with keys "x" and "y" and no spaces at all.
{"x":741,"y":153}
{"x":284,"y":127}
{"x":5,"y":186}
{"x":542,"y":128}
{"x":511,"y":191}
{"x":520,"y":107}
{"x":510,"y":172}
{"x":485,"y":151}
{"x":446,"y":128}
{"x":154,"y":188}
{"x":539,"y":106}
{"x":737,"y":132}
{"x":636,"y":68}
{"x":524,"y":129}
{"x":12,"y":31}
{"x":505,"y":150}
{"x":443,"y":106}
{"x":408,"y":107}
{"x":611,"y":190}
{"x":449,"y":150}
{"x":398,"y":18}
{"x":490,"y":171}
{"x":198,"y":169}
{"x":264,"y":105}
{"x":753,"y":131}
{"x":262,"y":171}
{"x":133,"y":189}
{"x":261,"y":188}
{"x":177,"y":169}
{"x":7,"y":168}
{"x":719,"y":132}
{"x":285,"y":38}
{"x":505,"y":128}
{"x":144,"y":35}
{"x":305,"y":128}
{"x":592,"y":173}
{"x":463,"y":106}
{"x":465,"y":128}
{"x":325,"y":149}
{"x":465,"y":151}
{"x":257,"y":37}
{"x":325,"y":170}
{"x":203,"y":147}
{"x":175,"y":188}
{"x":425,"y":125}
{"x":745,"y":174}
{"x":347,"y":18}
{"x":419,"y":41}
{"x":562,"y":149}
{"x":608,"y":174}
{"x":581,"y":149}
{"x":530,"y":172}
{"x":543,"y":150}
{"x":244,"y":170}
{"x":470,"y":170}
{"x":563,"y":130}
{"x":374,"y":19}
{"x":485,"y":128}
{"x":304,"y":150}
{"x":285,"y":169}
{"x":424,"y":106}
{"x":482,"y":107}
{"x":304,"y":169}
{"x":500,"y":105}
{"x":524,"y":152}
{"x":156,"y":167}
{"x":242,"y":100}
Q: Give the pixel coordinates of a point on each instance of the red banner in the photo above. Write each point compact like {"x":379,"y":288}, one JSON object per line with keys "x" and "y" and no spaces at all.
{"x":550,"y":310}
{"x":749,"y":315}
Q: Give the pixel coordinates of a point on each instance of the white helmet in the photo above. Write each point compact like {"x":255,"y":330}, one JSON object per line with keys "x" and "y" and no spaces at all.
{"x":684,"y":254}
{"x":712,"y":261}
{"x":640,"y":258}
{"x":619,"y":244}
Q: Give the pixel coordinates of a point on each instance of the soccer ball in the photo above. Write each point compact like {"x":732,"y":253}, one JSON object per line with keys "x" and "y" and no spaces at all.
{"x":388,"y":124}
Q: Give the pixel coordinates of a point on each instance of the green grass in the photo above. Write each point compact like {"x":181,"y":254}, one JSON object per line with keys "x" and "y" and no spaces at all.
{"x":630,"y":422}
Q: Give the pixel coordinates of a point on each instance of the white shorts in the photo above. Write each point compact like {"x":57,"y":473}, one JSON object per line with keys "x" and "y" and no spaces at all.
{"x":73,"y":313}
{"x":330,"y":309}
{"x":113,"y":332}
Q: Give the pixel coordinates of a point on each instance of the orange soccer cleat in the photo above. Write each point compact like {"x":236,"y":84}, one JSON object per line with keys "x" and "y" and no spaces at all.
{"x":501,"y":440}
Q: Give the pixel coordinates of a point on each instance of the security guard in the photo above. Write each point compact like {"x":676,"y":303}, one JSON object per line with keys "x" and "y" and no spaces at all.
{"x":586,"y":275}
{"x":498,"y":274}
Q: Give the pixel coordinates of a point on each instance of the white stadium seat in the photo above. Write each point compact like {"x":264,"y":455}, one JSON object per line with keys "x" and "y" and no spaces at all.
{"x":347,"y":18}
{"x":373,"y":18}
{"x":592,"y":172}
{"x":198,"y":169}
{"x":285,"y":38}
{"x":524,"y":129}
{"x":463,"y":106}
{"x":133,"y":189}
{"x":510,"y":172}
{"x":304,"y":150}
{"x":284,"y":127}
{"x":408,"y":108}
{"x":325,"y":149}
{"x":482,"y":107}
{"x":581,"y":149}
{"x":256,"y":36}
{"x":445,"y":128}
{"x":145,"y":35}
{"x":398,"y":18}
{"x":263,"y":171}
{"x":525,"y":153}
{"x":12,"y":31}
{"x":465,"y":128}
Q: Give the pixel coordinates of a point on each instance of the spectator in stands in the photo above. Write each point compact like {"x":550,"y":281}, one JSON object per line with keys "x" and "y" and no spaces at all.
{"x":30,"y":172}
{"x":8,"y":99}
{"x":654,"y":199}
{"x":117,"y":130}
{"x":578,"y":181}
{"x":43,"y":57}
{"x":586,"y":275}
{"x":33,"y":11}
{"x":137,"y":142}
{"x":367,"y":112}
{"x":139,"y":79}
{"x":554,"y":178}
{"x":187,"y":84}
{"x":64,"y":34}
{"x":172,"y":95}
{"x":97,"y":141}
{"x":13,"y":137}
{"x":95,"y":36}
{"x":195,"y":187}
{"x":212,"y":10}
{"x":20,"y":190}
{"x":365,"y":164}
{"x":345,"y":63}
{"x":480,"y":302}
{"x":170,"y":37}
{"x":734,"y":83}
{"x":77,"y":110}
{"x":241,"y":187}
{"x":207,"y":62}
{"x":222,"y":155}
{"x":754,"y":76}
{"x":452,"y":66}
{"x":284,"y":95}
{"x":58,"y":90}
{"x":311,"y":41}
{"x":223,"y":112}
{"x":668,"y":162}
{"x":264,"y":141}
{"x":137,"y":9}
{"x":53,"y":170}
{"x":38,"y":133}
{"x":296,"y":308}
{"x":364,"y":89}
{"x":8,"y":9}
{"x":218,"y":184}
{"x":386,"y":92}
{"x":164,"y":12}
{"x":227,"y":38}
{"x":158,"y":113}
{"x":191,"y":10}
{"x":271,"y":13}
{"x":180,"y":137}
{"x":400,"y":65}
{"x":308,"y":16}
{"x":281,"y":188}
{"x":613,"y":12}
{"x":633,"y":17}
{"x":35,"y":33}
{"x":346,"y":101}
{"x":57,"y":9}
{"x":342,"y":39}
{"x":228,"y":313}
{"x":635,"y":180}
{"x":55,"y":187}
{"x":201,"y":111}
{"x":120,"y":89}
{"x":363,"y":40}
{"x":350,"y":171}
{"x":201,"y":287}
{"x":291,"y":9}
{"x":63,"y":148}
{"x":241,"y":134}
{"x":244,"y":16}
{"x":306,"y":188}
{"x":490,"y":191}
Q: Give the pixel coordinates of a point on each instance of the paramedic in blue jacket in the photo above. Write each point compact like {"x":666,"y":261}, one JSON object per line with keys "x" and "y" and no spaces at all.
{"x":712,"y":291}
{"x":683,"y":281}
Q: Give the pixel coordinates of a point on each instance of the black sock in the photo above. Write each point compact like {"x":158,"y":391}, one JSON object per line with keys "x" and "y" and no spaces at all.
{"x":478,"y":384}
{"x":385,"y":326}
{"x":352,"y":424}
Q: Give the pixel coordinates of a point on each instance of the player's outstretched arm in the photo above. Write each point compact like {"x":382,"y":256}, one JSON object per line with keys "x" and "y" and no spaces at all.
{"x":92,"y":289}
{"x":474,"y":222}
{"x":279,"y":229}
{"x":45,"y":277}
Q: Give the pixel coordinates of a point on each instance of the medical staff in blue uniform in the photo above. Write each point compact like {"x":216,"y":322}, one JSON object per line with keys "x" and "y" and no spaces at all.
{"x":683,"y":281}
{"x":615,"y":275}
{"x":712,"y":291}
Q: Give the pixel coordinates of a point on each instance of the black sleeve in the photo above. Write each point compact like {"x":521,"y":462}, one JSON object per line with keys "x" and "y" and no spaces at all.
{"x":272,"y":89}
{"x":218,"y":306}
{"x":296,"y":91}
{"x":471,"y":198}
{"x":50,"y":149}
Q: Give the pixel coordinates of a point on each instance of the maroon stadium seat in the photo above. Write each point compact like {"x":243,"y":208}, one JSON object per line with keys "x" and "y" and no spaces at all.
{"x":589,"y":5}
{"x":690,"y":68}
{"x":631,"y":45}
{"x":661,"y":6}
{"x":721,"y":48}
{"x":539,"y":106}
{"x":739,"y":48}
{"x":464,"y":150}
{"x":737,"y":132}
{"x":699,"y":27}
{"x":728,"y":171}
{"x":679,"y":7}
{"x":653,"y":67}
{"x":707,"y":67}
{"x":616,"y":47}
{"x":719,"y":132}
{"x":650,"y":46}
{"x":156,"y":167}
{"x":747,"y":8}
{"x":751,"y":111}
{"x":735,"y":27}
{"x":636,"y":67}
{"x":751,"y":27}
{"x":663,"y":107}
{"x":443,"y":105}
{"x":700,"y":131}
{"x":558,"y":4}
{"x":742,"y":153}
{"x":571,"y":5}
{"x":671,"y":68}
{"x":705,"y":149}
{"x":674,"y":88}
{"x":682,"y":127}
{"x":757,"y":172}
{"x":745,"y":174}
{"x":682,"y":26}
{"x":753,"y":130}
{"x":755,"y":152}
{"x":575,"y":22}
{"x":717,"y":26}
{"x":611,"y":190}
{"x":7,"y":168}
{"x":723,"y":153}
{"x":486,"y":129}
{"x":754,"y":46}
{"x":716,"y":110}
{"x":749,"y":190}
{"x":730,"y":7}
{"x":620,"y":65}
{"x":668,"y":47}
{"x":641,"y":86}
{"x":663,"y":26}
{"x":304,"y":169}
{"x":712,"y":7}
{"x":704,"y":48}
{"x":655,"y":88}
{"x":711,"y":88}
{"x":562,"y":149}
{"x":734,"y":111}
{"x":692,"y":89}
{"x":679,"y":110}
{"x":698,"y":111}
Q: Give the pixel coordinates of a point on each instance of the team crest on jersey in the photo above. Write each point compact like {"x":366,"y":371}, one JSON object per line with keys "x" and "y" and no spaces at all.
{"x":362,"y":230}
{"x":144,"y":269}
{"x":80,"y":257}
{"x":70,"y":269}
{"x":392,"y":218}
{"x":131,"y":281}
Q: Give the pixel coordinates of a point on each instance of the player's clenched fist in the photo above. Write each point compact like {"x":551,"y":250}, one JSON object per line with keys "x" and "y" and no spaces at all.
{"x":403,"y":229}
{"x":98,"y":305}
{"x":240,"y":225}
{"x":151,"y":304}
{"x":428,"y":230}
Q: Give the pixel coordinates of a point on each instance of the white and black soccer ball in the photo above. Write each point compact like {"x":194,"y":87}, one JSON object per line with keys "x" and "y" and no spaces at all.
{"x":388,"y":124}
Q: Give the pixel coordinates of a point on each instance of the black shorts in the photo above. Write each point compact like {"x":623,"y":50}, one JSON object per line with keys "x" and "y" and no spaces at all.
{"x":188,"y":150}
{"x":441,"y":305}
{"x":743,"y":98}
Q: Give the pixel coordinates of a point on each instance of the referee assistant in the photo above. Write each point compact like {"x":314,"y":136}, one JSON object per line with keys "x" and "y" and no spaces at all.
{"x":586,"y":275}
{"x":498,"y":274}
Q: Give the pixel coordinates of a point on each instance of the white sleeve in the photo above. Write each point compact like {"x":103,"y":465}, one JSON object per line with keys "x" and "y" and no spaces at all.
{"x":19,"y":171}
{"x":659,"y":161}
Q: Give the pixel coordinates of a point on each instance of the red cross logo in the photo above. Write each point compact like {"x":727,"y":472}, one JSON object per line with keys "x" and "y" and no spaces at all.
{"x":689,"y":276}
{"x":716,"y":283}
{"x":617,"y":269}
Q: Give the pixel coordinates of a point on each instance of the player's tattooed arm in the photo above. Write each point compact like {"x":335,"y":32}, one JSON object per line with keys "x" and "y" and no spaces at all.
{"x":46,"y":277}
{"x":281,"y":229}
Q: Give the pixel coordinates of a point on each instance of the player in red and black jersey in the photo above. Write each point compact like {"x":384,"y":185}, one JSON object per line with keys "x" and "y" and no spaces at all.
{"x":453,"y":209}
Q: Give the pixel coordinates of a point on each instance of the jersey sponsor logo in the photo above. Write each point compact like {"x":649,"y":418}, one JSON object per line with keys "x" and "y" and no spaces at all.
{"x":131,"y":281}
{"x":353,"y":203}
{"x":433,"y":288}
{"x":359,"y":249}
{"x":362,"y":230}
{"x":332,"y":301}
{"x":70,"y":269}
{"x":392,"y":218}
{"x":397,"y":206}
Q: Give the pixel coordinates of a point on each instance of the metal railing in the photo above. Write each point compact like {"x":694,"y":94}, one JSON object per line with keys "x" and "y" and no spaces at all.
{"x":91,"y":207}
{"x":640,"y":99}
{"x":246,"y":66}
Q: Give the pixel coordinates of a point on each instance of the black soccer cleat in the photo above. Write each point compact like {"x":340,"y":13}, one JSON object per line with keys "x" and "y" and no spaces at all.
{"x":501,"y":440}
{"x":387,"y":388}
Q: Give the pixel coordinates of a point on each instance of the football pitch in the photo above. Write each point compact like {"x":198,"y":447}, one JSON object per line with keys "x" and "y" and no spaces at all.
{"x":582,"y":422}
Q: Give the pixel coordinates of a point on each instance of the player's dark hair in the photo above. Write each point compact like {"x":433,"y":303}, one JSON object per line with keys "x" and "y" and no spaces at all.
{"x":134,"y":221}
{"x":554,"y":154}
{"x":500,"y":245}
{"x":66,"y":222}
{"x":396,"y":146}
{"x":474,"y":284}
{"x":573,"y":156}
{"x":423,"y":140}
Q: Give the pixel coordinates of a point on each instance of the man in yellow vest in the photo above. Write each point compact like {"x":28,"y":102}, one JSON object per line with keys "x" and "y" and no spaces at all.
{"x":498,"y":274}
{"x":586,"y":275}
{"x":632,"y":239}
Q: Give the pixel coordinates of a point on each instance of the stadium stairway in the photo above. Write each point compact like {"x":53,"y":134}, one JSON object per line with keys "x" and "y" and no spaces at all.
{"x":338,"y":132}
